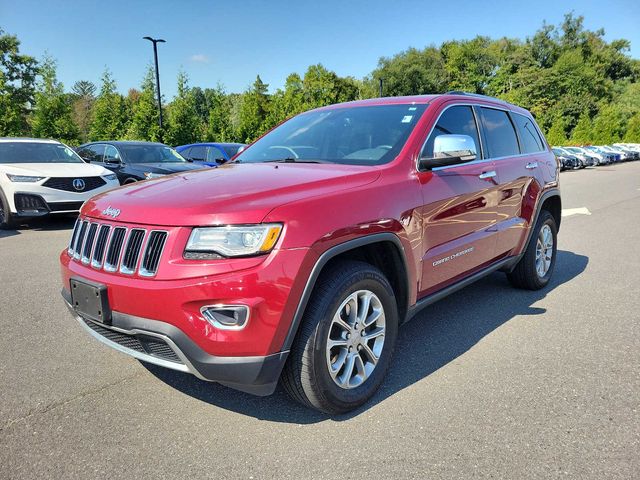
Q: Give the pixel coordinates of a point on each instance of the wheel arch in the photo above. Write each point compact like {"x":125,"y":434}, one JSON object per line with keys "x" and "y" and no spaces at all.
{"x":382,"y":250}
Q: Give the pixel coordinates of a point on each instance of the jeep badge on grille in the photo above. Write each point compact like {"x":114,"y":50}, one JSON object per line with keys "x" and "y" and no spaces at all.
{"x":111,"y":212}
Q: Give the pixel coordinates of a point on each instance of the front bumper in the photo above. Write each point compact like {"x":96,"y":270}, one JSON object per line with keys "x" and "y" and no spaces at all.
{"x":165,"y":345}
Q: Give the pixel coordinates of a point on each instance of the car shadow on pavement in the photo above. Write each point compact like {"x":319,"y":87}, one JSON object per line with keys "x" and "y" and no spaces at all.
{"x":62,"y":222}
{"x":438,"y":335}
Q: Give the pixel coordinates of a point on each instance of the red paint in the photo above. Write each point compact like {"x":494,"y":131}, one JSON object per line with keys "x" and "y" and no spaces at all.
{"x":434,"y":214}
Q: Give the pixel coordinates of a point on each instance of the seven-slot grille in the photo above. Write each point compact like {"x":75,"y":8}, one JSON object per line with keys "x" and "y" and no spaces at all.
{"x":117,"y":248}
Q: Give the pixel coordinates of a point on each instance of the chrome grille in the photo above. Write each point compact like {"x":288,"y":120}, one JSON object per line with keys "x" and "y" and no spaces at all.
{"x":152,"y":253}
{"x":117,"y":248}
{"x":132,"y":252}
{"x":101,"y":243}
{"x":74,"y":236}
{"x":79,"y":241}
{"x":88,"y":243}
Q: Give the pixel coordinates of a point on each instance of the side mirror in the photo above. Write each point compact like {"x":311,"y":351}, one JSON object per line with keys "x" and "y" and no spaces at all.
{"x":450,"y":150}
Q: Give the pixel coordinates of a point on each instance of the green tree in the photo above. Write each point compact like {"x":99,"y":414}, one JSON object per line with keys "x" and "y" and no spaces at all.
{"x":83,"y":97}
{"x":557,"y":135}
{"x":632,"y":135}
{"x":608,"y":126}
{"x":110,"y":112}
{"x":219,"y":128}
{"x":582,"y":133}
{"x":254,"y":108}
{"x":412,"y":72}
{"x":183,"y":122}
{"x":17,"y":86}
{"x":144,"y":112}
{"x":52,"y":113}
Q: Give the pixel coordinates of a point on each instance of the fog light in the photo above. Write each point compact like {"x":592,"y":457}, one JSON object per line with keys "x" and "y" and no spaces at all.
{"x":226,"y":317}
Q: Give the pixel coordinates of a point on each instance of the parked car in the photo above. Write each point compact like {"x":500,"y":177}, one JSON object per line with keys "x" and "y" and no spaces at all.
{"x":599,"y":158}
{"x":209,"y":154}
{"x":588,"y":159}
{"x":134,"y":161}
{"x":605,"y":157}
{"x":567,"y":161}
{"x":45,"y":177}
{"x":299,"y":259}
{"x":633,"y":154}
{"x":624,"y":156}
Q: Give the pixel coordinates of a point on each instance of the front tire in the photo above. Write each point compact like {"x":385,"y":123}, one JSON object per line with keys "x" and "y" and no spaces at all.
{"x":345,"y":342}
{"x":535,"y":268}
{"x":7,"y":221}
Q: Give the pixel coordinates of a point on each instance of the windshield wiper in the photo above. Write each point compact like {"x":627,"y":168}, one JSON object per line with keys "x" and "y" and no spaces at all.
{"x":291,"y":160}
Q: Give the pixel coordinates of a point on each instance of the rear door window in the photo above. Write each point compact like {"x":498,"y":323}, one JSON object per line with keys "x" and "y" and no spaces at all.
{"x":529,"y":136}
{"x":499,"y":132}
{"x":458,"y":120}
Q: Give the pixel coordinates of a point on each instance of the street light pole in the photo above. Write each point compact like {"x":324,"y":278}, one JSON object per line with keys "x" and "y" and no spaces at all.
{"x":155,"y":42}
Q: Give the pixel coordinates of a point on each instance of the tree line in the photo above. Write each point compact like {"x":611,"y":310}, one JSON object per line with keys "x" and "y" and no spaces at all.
{"x":581,"y":89}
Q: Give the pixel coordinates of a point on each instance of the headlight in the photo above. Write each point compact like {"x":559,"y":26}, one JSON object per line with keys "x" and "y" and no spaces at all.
{"x":149,"y":175}
{"x":24,"y":178}
{"x":232,"y":241}
{"x":111,"y":176}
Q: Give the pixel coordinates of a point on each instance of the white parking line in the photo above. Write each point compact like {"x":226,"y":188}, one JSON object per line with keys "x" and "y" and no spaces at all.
{"x":567,"y":212}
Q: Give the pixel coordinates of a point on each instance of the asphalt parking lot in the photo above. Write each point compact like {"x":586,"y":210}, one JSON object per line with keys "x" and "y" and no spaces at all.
{"x":489,"y":382}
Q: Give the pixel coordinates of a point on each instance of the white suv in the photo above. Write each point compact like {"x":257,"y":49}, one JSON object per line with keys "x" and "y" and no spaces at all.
{"x":41,"y":177}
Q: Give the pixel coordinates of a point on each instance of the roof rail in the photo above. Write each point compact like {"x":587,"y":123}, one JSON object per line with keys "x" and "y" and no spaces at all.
{"x":477,"y":95}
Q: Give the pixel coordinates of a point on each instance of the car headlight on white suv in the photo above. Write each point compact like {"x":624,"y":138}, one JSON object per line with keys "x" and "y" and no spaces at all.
{"x":111,"y":176}
{"x":232,"y":241}
{"x":24,"y":178}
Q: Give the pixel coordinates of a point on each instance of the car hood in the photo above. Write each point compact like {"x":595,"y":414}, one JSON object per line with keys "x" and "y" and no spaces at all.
{"x":231,"y":194}
{"x":164,"y":167}
{"x":54,"y":169}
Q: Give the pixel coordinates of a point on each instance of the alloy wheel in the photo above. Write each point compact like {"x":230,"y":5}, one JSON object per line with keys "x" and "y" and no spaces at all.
{"x":356,"y":339}
{"x":544,"y":251}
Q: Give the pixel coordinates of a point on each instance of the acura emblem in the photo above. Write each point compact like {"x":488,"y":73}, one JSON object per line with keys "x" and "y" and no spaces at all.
{"x":111,"y":212}
{"x":78,"y":184}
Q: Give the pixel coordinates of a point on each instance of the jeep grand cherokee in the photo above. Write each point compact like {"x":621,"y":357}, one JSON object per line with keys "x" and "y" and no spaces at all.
{"x":297,"y":261}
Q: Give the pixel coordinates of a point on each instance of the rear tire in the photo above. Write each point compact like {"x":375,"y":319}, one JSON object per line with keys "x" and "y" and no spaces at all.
{"x":345,"y":341}
{"x":7,"y":221}
{"x":535,"y":268}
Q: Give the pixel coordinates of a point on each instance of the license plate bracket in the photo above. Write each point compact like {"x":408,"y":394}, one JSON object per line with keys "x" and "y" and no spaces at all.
{"x":90,"y":300}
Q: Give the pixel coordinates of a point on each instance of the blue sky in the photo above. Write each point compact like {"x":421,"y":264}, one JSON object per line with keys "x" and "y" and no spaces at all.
{"x":231,"y":41}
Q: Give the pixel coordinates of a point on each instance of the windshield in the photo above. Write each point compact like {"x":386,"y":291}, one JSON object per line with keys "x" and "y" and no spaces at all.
{"x":557,"y":151}
{"x":231,"y":149}
{"x":150,"y":154}
{"x":36,"y":152}
{"x":574,"y":149}
{"x":370,"y":135}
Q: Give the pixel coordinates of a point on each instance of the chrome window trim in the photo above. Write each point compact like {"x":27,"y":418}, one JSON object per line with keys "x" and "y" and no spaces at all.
{"x":98,"y":265}
{"x":142,"y":271}
{"x":84,"y":259}
{"x":114,"y":268}
{"x":483,"y":160}
{"x":480,"y":139}
{"x":123,"y":269}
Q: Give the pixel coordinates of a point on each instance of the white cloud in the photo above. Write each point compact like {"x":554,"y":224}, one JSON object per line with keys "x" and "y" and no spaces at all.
{"x":199,"y":58}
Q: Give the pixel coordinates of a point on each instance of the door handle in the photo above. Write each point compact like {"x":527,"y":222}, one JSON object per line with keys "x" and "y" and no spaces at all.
{"x":531,"y":165}
{"x":489,"y":174}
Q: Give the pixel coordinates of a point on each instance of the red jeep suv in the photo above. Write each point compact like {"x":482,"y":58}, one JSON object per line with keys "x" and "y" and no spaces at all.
{"x":297,"y":261}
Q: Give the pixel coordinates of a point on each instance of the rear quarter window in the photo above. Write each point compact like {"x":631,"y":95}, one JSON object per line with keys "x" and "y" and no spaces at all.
{"x":529,"y":136}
